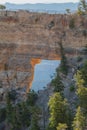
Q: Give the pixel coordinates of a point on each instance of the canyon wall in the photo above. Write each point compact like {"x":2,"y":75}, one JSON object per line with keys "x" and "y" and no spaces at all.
{"x":25,"y":35}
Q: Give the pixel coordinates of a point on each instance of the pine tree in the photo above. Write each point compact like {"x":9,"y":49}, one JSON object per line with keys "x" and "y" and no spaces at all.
{"x":35,"y":117}
{"x":79,"y":80}
{"x":9,"y":109}
{"x":34,"y":125}
{"x":79,"y":120}
{"x":31,"y":98}
{"x":2,"y":7}
{"x":63,"y":65}
{"x":83,"y":6}
{"x":82,"y":94}
{"x":62,"y":126}
{"x":24,"y":114}
{"x":84,"y":73}
{"x":57,"y":107}
{"x":57,"y":83}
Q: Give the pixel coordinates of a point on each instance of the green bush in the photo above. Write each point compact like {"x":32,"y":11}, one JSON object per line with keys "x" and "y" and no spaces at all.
{"x":84,"y":32}
{"x":2,"y":7}
{"x":0,"y":84}
{"x":79,"y":59}
{"x":72,"y":23}
{"x":2,"y":114}
{"x":85,"y":49}
{"x":72,"y":88}
{"x":12,"y":95}
{"x":51,"y":24}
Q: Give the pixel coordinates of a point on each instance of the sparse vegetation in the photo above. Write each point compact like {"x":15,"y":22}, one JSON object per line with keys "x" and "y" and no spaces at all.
{"x":12,"y":95}
{"x":72,"y":23}
{"x":2,"y":114}
{"x":79,"y":59}
{"x":68,"y":11}
{"x":2,"y":7}
{"x":51,"y":24}
{"x":84,"y":33}
{"x":85,"y":49}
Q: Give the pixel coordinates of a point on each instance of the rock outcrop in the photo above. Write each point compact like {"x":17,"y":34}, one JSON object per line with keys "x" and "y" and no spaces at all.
{"x":25,"y":35}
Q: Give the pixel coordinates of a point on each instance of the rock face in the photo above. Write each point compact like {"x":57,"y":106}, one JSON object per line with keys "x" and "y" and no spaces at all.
{"x":25,"y":35}
{"x":41,"y":30}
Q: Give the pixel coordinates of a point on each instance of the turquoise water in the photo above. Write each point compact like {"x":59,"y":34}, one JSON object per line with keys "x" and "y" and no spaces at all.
{"x":43,"y":73}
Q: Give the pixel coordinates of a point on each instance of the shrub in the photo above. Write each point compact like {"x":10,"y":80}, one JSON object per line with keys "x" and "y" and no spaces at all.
{"x":51,"y":24}
{"x":2,"y":114}
{"x":79,"y":59}
{"x":72,"y":23}
{"x":2,"y":7}
{"x":36,"y":20}
{"x":12,"y":95}
{"x":72,"y":88}
{"x":84,"y":32}
{"x":85,"y":49}
{"x":0,"y":84}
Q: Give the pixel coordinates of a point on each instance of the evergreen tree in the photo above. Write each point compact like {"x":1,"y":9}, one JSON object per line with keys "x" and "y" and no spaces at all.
{"x":23,"y":114}
{"x":63,"y":65}
{"x":68,"y":11}
{"x":34,"y":124}
{"x":31,"y":98}
{"x":80,"y":12}
{"x":62,"y":126}
{"x":58,"y":108}
{"x":15,"y":123}
{"x":18,"y":116}
{"x":35,"y":117}
{"x":9,"y":109}
{"x":79,"y":80}
{"x":57,"y":83}
{"x":11,"y":115}
{"x":82,"y":94}
{"x":84,"y":73}
{"x":79,"y":120}
{"x":72,"y":23}
{"x":83,"y":6}
{"x":2,"y":7}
